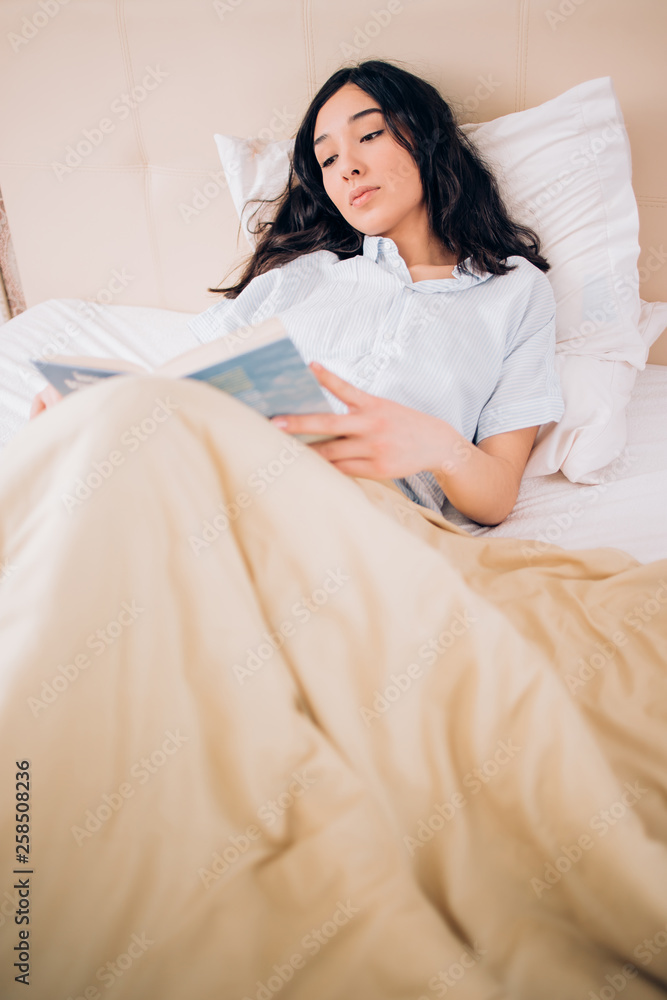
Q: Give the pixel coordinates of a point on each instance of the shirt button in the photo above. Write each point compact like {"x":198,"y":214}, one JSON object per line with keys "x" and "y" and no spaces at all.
{"x":388,"y":335}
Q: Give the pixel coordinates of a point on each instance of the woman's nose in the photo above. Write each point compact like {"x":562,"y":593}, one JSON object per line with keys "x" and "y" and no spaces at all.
{"x":349,"y":162}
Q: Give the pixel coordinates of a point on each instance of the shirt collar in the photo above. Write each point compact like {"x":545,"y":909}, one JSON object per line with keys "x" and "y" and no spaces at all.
{"x":383,"y":251}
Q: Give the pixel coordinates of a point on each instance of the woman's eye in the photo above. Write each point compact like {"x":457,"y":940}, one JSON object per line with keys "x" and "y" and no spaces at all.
{"x":371,"y":135}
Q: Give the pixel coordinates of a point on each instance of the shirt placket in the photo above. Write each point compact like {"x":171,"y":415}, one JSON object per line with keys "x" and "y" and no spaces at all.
{"x":386,"y":346}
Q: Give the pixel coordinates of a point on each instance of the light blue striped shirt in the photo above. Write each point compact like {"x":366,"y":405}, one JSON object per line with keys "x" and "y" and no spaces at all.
{"x":476,"y":350}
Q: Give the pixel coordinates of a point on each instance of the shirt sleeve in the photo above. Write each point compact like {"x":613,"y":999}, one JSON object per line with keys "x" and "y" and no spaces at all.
{"x":528,"y":391}
{"x":266,"y":295}
{"x":254,"y":304}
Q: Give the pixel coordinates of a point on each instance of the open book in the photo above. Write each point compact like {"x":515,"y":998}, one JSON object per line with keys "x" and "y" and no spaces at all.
{"x":259,"y":364}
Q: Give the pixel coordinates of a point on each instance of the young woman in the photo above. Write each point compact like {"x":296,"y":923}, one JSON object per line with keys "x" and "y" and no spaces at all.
{"x":177,"y":589}
{"x":423,"y":308}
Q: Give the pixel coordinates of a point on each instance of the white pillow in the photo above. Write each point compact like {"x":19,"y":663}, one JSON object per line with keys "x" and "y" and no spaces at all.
{"x":564,"y":169}
{"x":612,"y":396}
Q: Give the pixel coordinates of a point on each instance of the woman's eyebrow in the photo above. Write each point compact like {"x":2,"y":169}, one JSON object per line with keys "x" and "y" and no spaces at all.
{"x":352,"y":118}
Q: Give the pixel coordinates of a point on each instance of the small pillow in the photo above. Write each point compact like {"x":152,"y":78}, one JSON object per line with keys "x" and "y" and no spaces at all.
{"x":255,"y":169}
{"x":652,"y":321}
{"x":564,"y":168}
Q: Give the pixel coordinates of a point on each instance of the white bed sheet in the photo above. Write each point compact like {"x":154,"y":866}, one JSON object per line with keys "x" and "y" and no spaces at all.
{"x":628,"y":511}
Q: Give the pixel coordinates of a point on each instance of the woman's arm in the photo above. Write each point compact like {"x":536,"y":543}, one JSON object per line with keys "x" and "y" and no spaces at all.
{"x":381,"y":439}
{"x":498,"y":463}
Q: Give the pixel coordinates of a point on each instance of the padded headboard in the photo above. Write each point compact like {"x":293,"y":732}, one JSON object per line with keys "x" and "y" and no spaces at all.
{"x":108,"y":169}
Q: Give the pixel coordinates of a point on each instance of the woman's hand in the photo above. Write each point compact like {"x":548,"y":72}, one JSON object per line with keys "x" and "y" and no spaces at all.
{"x":47,"y":397}
{"x":377,"y":438}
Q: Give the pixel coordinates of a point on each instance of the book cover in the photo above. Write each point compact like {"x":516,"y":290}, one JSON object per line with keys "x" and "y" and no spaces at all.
{"x":272,"y":379}
{"x":270,"y":376}
{"x":66,"y":378}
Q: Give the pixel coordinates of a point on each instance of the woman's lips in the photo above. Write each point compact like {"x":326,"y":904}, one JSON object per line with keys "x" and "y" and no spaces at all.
{"x":363,"y":198}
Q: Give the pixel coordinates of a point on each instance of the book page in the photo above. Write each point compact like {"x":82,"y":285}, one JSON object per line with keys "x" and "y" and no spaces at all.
{"x":231,"y":345}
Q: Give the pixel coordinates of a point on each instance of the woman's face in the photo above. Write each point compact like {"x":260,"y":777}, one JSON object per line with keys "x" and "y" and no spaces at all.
{"x":362,"y":153}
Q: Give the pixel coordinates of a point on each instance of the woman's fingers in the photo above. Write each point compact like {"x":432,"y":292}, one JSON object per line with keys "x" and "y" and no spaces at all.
{"x":47,"y":397}
{"x":36,"y":406}
{"x":338,"y":424}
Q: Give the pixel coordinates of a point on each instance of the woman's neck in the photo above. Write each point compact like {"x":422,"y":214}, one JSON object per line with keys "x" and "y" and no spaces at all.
{"x":420,"y":249}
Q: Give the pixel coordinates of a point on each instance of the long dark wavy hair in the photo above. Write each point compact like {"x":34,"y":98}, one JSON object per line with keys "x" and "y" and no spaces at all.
{"x":464,"y":205}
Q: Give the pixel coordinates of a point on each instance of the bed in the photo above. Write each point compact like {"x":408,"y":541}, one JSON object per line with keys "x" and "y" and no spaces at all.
{"x":624,"y":510}
{"x":404,"y":757}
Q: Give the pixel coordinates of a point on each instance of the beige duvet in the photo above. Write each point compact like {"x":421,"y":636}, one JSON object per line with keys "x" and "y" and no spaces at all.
{"x":286,"y":733}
